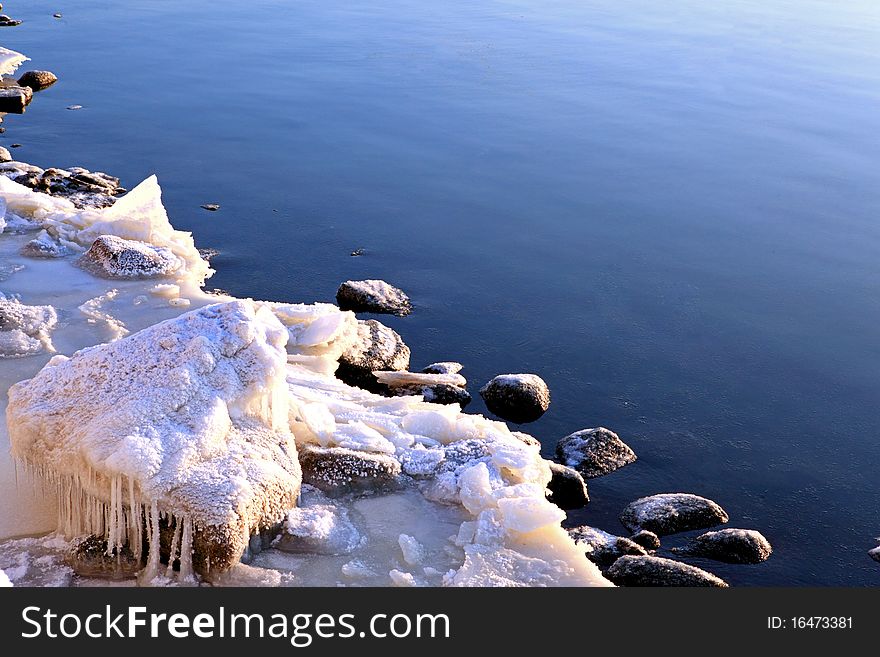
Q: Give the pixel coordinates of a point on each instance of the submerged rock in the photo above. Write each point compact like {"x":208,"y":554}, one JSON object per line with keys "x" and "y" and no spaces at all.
{"x":729,"y":545}
{"x":518,"y":398}
{"x":669,"y":513}
{"x":656,"y":571}
{"x":568,"y":490}
{"x":37,"y":80}
{"x":373,"y":296}
{"x":340,"y":470}
{"x":25,"y":330}
{"x":13,"y":100}
{"x":376,"y":347}
{"x":114,"y":257}
{"x":602,"y":548}
{"x":648,"y":540}
{"x":594,"y":452}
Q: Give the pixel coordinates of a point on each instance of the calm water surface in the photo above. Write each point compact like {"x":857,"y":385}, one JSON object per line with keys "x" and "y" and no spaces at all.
{"x":671,"y":211}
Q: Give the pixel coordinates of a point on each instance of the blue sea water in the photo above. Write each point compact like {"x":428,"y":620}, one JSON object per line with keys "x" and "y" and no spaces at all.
{"x":670,"y":211}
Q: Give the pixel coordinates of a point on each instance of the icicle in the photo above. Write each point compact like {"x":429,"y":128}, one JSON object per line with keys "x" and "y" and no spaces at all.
{"x":111,"y":533}
{"x":186,"y":565}
{"x":175,"y":546}
{"x":149,"y":573}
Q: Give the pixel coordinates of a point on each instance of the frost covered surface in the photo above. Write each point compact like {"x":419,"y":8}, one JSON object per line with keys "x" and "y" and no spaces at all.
{"x":187,"y":417}
{"x":25,"y":330}
{"x":10,"y":61}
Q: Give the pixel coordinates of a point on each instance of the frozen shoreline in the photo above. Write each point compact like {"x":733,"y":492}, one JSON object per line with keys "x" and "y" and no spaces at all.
{"x":492,"y":494}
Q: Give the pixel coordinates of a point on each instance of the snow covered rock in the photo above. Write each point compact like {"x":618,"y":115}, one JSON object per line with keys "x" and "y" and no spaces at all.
{"x":14,"y":99}
{"x":657,"y":571}
{"x":669,"y":513}
{"x":25,"y":330}
{"x":8,"y":21}
{"x":602,"y":548}
{"x":436,"y":388}
{"x":568,"y":490}
{"x":875,"y":553}
{"x":594,"y":452}
{"x":114,"y":257}
{"x":445,"y":367}
{"x":342,"y":470}
{"x":5,"y":155}
{"x":188,"y":418}
{"x":648,"y":540}
{"x":729,"y":545}
{"x":376,"y":347}
{"x":373,"y":296}
{"x":518,"y":398}
{"x":37,"y":80}
{"x":44,"y":246}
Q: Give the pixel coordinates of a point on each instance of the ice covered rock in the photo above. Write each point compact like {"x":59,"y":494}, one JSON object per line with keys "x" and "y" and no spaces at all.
{"x":373,"y":296}
{"x":875,"y":553}
{"x":729,"y":545}
{"x":5,"y":155}
{"x":669,"y":513}
{"x":594,"y":452}
{"x":318,"y":526}
{"x":342,"y":470}
{"x":37,"y":80}
{"x":187,"y":419}
{"x":14,"y":99}
{"x":602,"y":548}
{"x":375,"y":347}
{"x":567,"y":487}
{"x":656,"y":571}
{"x":518,"y":398}
{"x":114,"y":257}
{"x":8,"y":21}
{"x":44,"y":246}
{"x":648,"y":540}
{"x":25,"y":330}
{"x":444,"y":367}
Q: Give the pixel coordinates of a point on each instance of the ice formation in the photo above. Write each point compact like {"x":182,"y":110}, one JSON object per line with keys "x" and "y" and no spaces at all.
{"x":10,"y":60}
{"x":25,"y":330}
{"x":187,"y":417}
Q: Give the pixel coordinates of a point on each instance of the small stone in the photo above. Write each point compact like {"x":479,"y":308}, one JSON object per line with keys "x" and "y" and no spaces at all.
{"x":602,"y":548}
{"x":37,"y":80}
{"x":669,"y":513}
{"x":74,"y":107}
{"x":15,"y":145}
{"x":445,"y":367}
{"x":357,"y":252}
{"x":655,"y":571}
{"x":56,"y":15}
{"x":730,"y":546}
{"x":594,"y":452}
{"x":373,"y":296}
{"x":7,"y":21}
{"x":648,"y":540}
{"x":518,"y":398}
{"x":211,"y":207}
{"x":567,"y":487}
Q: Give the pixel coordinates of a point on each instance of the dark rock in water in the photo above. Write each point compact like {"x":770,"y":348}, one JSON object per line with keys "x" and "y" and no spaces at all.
{"x":648,"y":540}
{"x":594,"y":452}
{"x":5,"y":155}
{"x":567,"y":487}
{"x":373,"y":296}
{"x":446,"y":394}
{"x":377,"y":348}
{"x":7,"y":21}
{"x":340,"y":470}
{"x":211,"y":207}
{"x":357,"y":252}
{"x":445,"y":367}
{"x":89,"y":558}
{"x":730,"y":546}
{"x":875,"y":553}
{"x":518,"y":398}
{"x":668,"y":513}
{"x":74,"y":107}
{"x":602,"y":548}
{"x":656,"y":571}
{"x":56,"y":15}
{"x":15,"y":146}
{"x":113,"y":257}
{"x":37,"y":80}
